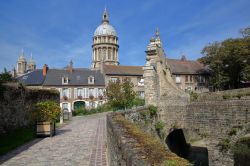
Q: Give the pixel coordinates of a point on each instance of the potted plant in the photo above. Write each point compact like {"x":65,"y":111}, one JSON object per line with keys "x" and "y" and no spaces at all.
{"x":46,"y":113}
{"x":79,"y":97}
{"x":65,"y":97}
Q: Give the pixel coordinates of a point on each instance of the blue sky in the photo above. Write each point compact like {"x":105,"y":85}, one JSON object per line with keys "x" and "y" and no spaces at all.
{"x":56,"y":31}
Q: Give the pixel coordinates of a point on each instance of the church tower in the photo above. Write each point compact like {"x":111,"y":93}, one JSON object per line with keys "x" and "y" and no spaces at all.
{"x":21,"y":64}
{"x":105,"y":44}
{"x":31,"y":64}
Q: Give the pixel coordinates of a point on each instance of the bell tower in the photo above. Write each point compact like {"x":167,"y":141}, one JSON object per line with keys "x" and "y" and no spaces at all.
{"x":21,"y":64}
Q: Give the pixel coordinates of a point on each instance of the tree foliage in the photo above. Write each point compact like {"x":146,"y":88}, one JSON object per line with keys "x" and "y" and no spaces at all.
{"x":229,"y":61}
{"x":5,"y":76}
{"x":120,"y":94}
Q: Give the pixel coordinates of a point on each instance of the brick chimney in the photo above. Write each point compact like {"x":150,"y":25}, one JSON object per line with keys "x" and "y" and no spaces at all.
{"x":45,"y":69}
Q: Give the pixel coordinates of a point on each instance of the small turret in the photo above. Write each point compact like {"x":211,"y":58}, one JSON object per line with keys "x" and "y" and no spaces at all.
{"x":31,"y":64}
{"x":21,"y":64}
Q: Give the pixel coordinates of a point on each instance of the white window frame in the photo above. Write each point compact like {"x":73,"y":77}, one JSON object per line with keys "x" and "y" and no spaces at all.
{"x":65,"y":80}
{"x":91,"y":80}
{"x":79,"y":92}
{"x":65,"y":92}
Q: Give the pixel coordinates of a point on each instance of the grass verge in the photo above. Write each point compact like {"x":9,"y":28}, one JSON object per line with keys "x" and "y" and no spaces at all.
{"x":15,"y":138}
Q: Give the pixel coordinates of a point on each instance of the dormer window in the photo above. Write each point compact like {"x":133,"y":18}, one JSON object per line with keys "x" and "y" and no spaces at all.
{"x":65,"y":80}
{"x":91,"y":80}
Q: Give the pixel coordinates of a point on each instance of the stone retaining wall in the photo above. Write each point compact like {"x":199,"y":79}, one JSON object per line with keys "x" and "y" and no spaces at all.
{"x":121,"y":149}
{"x":211,"y":121}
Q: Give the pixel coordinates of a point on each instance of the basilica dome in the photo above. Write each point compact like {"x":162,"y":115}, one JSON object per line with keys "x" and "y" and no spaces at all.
{"x":105,"y":30}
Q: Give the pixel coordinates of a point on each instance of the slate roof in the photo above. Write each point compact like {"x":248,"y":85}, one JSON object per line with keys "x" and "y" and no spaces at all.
{"x":176,"y":66}
{"x":123,"y":70}
{"x":186,"y":67}
{"x":77,"y":78}
{"x":34,"y":78}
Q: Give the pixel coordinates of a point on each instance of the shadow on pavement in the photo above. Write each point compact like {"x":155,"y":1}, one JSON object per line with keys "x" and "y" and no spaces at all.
{"x":19,"y":150}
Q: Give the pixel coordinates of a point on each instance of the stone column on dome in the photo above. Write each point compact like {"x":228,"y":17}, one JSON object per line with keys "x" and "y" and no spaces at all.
{"x":117,"y":56}
{"x":106,"y":50}
{"x":103,"y":53}
{"x":96,"y":54}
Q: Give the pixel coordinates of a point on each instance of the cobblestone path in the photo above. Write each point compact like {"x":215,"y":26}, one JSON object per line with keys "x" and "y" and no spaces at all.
{"x":82,"y":142}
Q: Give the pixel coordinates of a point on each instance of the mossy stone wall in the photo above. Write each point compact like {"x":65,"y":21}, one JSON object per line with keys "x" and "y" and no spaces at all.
{"x":16,"y":102}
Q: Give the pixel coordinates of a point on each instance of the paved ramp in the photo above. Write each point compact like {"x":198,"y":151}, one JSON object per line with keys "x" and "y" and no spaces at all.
{"x":82,"y":142}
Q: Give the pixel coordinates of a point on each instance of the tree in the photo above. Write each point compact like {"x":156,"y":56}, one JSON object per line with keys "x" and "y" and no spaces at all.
{"x":120,"y":95}
{"x":229,"y":61}
{"x":128,"y":93}
{"x":6,"y":76}
{"x":245,"y":32}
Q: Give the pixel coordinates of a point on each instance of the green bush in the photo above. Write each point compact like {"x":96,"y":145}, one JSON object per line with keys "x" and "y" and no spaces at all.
{"x":241,"y":148}
{"x":83,"y":111}
{"x":80,"y":111}
{"x":232,"y":132}
{"x":159,"y":126}
{"x":224,"y":144}
{"x":241,"y":151}
{"x":138,"y":102}
{"x":46,"y":111}
{"x":193,"y":96}
{"x":152,"y":110}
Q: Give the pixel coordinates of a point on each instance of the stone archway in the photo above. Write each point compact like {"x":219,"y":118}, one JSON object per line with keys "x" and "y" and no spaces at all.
{"x":177,"y":144}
